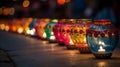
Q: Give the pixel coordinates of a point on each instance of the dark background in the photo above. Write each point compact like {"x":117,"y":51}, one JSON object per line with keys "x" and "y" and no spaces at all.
{"x":70,"y":9}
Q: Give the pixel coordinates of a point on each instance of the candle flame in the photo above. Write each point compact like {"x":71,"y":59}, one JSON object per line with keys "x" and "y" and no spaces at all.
{"x":101,"y":49}
{"x":44,"y":35}
{"x":52,"y":37}
{"x":2,"y":26}
{"x":71,"y":42}
{"x":101,"y":43}
{"x":6,"y":28}
{"x":28,"y":31}
{"x":84,"y":39}
{"x":32,"y":32}
{"x":51,"y":33}
{"x":20,"y":30}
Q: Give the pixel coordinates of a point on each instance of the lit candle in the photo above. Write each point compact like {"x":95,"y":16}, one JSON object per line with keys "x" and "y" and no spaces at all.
{"x":101,"y":50}
{"x":101,"y":43}
{"x":85,"y":39}
{"x":52,"y":38}
{"x":71,"y":43}
{"x":32,"y":32}
{"x":28,"y":31}
{"x":20,"y":30}
{"x":6,"y":28}
{"x":2,"y":26}
{"x":44,"y":35}
{"x":52,"y":33}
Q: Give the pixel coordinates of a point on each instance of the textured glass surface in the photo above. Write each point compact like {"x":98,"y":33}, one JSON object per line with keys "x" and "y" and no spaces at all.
{"x":105,"y":41}
{"x":65,"y":33}
{"x":31,"y":26}
{"x":49,"y":29}
{"x":56,"y":31}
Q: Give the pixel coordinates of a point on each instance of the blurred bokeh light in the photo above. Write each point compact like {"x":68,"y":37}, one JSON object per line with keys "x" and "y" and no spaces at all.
{"x":92,"y":9}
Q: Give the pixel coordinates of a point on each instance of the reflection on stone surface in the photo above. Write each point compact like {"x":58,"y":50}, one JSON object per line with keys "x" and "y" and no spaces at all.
{"x":101,"y":64}
{"x":44,"y":42}
{"x":72,"y":57}
{"x":30,"y":52}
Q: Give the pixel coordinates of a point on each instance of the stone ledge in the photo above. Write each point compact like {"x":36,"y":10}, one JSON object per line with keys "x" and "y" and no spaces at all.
{"x":5,"y":60}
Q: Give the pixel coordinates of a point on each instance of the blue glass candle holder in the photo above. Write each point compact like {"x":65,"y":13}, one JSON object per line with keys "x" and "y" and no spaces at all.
{"x":31,"y":30}
{"x":102,"y":38}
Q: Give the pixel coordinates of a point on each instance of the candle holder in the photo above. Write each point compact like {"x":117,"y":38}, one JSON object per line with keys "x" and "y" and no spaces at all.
{"x":39,"y":27}
{"x":25,"y":24}
{"x":78,"y":34}
{"x":49,"y":31}
{"x":19,"y":26}
{"x":31,"y":31}
{"x":57,"y":32}
{"x":65,"y":33}
{"x":102,"y":38}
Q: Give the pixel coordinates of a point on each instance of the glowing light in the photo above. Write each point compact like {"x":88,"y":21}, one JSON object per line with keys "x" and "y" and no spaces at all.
{"x":101,"y":64}
{"x":5,"y":11}
{"x":44,"y":35}
{"x":61,"y":2}
{"x":26,"y":3}
{"x":14,"y":28}
{"x":28,"y":31}
{"x":55,"y":20}
{"x":52,"y":37}
{"x":30,"y":19}
{"x":20,"y":30}
{"x":47,"y":20}
{"x":85,"y":39}
{"x":71,"y":42}
{"x":32,"y":32}
{"x":2,"y":26}
{"x":33,"y":29}
{"x":6,"y":28}
{"x":101,"y":43}
{"x":44,"y":42}
{"x":12,"y":11}
{"x":51,"y":33}
{"x":101,"y":50}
